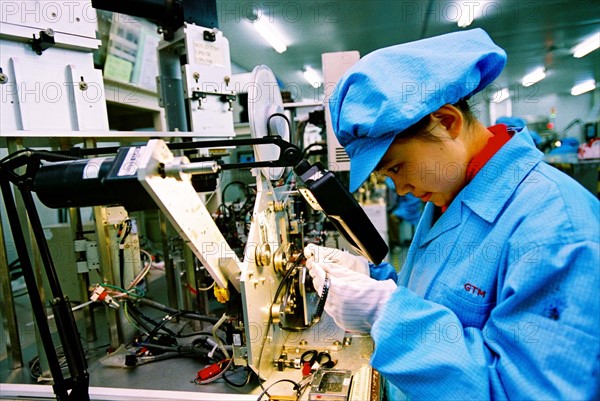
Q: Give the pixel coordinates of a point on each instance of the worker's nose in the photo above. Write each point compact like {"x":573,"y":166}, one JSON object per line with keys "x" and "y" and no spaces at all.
{"x":402,"y":188}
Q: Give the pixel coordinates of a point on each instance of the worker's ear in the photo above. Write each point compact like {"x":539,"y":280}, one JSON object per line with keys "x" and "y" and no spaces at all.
{"x":450,"y":118}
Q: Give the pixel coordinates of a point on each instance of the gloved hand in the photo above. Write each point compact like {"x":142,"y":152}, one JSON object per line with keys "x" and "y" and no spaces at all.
{"x":354,"y":299}
{"x":336,"y":259}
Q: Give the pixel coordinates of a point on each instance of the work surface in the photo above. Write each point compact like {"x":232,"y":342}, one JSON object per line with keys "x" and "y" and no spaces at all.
{"x":173,"y":380}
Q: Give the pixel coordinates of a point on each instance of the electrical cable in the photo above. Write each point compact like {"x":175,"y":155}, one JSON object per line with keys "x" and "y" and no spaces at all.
{"x":311,"y":146}
{"x":166,"y":319}
{"x":18,"y":152}
{"x":296,"y":388}
{"x":205,"y":288}
{"x":130,"y":319}
{"x":124,"y":230}
{"x":118,"y":292}
{"x":143,"y":271}
{"x":318,"y":312}
{"x":187,"y":314}
{"x":239,"y":385}
{"x":278,"y":115}
{"x":43,"y":155}
{"x":142,"y":319}
{"x":216,"y":338}
{"x":240,"y":183}
{"x":197,"y":333}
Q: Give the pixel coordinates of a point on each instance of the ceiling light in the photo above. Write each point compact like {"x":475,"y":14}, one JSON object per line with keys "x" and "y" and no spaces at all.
{"x":265,"y":29}
{"x":466,"y":18}
{"x":501,"y":95}
{"x":467,"y":11}
{"x":312,"y":77}
{"x":583,"y":87}
{"x":533,"y":77}
{"x":587,"y":46}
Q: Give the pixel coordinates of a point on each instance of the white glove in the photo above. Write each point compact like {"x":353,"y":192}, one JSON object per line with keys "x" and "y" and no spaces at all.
{"x":353,"y":300}
{"x":337,"y":259}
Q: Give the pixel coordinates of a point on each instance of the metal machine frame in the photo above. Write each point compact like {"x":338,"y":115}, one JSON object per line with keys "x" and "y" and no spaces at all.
{"x":167,"y":180}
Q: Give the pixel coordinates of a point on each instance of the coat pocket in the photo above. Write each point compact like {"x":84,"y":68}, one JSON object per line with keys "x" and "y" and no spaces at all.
{"x":472,"y":311}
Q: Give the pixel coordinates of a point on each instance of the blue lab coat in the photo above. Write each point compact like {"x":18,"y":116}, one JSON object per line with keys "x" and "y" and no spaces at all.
{"x":499,"y":298}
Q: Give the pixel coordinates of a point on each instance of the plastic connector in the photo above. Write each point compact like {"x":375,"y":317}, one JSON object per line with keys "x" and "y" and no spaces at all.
{"x":209,"y":372}
{"x":222,"y":294}
{"x":99,"y":294}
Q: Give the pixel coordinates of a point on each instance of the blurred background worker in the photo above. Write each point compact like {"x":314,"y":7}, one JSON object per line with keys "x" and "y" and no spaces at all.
{"x":498,"y":296}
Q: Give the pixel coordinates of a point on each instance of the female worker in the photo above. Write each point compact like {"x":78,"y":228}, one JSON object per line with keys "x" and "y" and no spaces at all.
{"x":498,"y":297}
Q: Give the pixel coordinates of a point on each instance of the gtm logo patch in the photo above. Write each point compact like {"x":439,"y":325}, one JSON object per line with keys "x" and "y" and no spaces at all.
{"x":474,"y":290}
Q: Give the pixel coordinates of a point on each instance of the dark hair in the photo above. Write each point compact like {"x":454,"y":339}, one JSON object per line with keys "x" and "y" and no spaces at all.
{"x":419,"y":129}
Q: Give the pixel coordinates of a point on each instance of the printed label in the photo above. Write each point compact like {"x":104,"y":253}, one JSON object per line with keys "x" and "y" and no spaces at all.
{"x":92,"y":168}
{"x":131,"y":163}
{"x":207,"y":53}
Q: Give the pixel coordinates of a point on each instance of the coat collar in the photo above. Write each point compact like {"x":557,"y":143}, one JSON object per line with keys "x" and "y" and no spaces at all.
{"x":495,"y":183}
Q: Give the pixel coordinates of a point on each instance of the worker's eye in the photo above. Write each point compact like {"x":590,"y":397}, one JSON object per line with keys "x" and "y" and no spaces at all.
{"x":389,"y":171}
{"x":394,"y":169}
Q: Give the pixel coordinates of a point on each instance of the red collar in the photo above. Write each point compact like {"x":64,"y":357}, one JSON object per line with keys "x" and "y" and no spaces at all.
{"x":501,"y":136}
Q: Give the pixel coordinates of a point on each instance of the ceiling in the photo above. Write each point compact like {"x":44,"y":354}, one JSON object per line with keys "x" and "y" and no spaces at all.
{"x":534,"y":33}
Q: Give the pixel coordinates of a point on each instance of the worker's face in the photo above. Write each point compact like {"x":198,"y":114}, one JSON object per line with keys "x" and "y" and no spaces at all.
{"x":432,"y":169}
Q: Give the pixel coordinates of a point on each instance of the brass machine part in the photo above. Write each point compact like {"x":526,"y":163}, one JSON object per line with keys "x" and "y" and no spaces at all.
{"x":263,"y":255}
{"x":276,"y":313}
{"x":285,"y":307}
{"x":281,"y":257}
{"x":277,"y":206}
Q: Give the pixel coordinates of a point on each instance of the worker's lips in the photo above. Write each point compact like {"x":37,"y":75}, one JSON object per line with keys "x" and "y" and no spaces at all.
{"x":425,"y":197}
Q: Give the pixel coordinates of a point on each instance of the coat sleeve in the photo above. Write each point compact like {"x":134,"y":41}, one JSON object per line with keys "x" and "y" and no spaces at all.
{"x":383,"y":271}
{"x":541,"y":340}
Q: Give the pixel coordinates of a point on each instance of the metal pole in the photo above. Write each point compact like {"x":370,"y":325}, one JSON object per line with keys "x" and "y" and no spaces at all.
{"x":7,"y":302}
{"x":37,"y":306}
{"x":65,"y":322}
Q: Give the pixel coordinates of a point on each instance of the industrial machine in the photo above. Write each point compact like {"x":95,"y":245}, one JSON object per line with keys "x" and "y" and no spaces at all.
{"x":256,"y":265}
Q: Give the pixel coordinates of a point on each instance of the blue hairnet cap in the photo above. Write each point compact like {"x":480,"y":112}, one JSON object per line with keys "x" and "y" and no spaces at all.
{"x":515,"y":122}
{"x":392,"y":88}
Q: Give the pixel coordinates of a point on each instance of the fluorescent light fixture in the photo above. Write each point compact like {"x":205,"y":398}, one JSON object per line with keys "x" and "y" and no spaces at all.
{"x":312,"y":77}
{"x":587,"y":46}
{"x":583,"y":87}
{"x":465,"y":21}
{"x":467,"y":11}
{"x":466,"y":18}
{"x":265,"y":29}
{"x":501,"y":95}
{"x":533,"y":77}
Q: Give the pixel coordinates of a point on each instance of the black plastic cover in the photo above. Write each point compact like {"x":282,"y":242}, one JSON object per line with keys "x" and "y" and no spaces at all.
{"x":344,"y":212}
